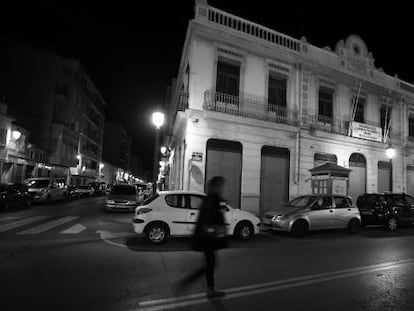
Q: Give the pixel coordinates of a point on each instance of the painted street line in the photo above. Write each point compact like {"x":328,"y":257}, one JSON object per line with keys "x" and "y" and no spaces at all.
{"x":21,"y":223}
{"x":49,"y":225}
{"x":256,"y":289}
{"x":74,"y":229}
{"x":106,"y":235}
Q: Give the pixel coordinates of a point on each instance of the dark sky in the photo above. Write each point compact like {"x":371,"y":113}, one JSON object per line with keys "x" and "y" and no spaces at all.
{"x":132,"y":49}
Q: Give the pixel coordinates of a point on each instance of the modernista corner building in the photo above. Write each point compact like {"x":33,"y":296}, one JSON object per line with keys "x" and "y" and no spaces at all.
{"x":261,"y":109}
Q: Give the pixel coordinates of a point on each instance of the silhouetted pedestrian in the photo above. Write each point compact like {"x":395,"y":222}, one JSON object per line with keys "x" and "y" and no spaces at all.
{"x":210,"y":235}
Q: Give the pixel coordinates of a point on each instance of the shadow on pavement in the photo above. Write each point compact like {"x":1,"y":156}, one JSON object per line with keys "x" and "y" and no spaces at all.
{"x":139,"y":244}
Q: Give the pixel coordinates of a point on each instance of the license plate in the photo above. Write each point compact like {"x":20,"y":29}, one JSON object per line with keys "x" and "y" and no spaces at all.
{"x":366,"y":213}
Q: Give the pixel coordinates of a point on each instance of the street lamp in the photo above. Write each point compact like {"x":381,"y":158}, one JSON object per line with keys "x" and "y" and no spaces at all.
{"x":158,"y":121}
{"x":390,"y":152}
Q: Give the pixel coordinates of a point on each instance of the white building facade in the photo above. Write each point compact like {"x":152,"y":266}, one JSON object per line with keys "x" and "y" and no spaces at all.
{"x":261,"y":108}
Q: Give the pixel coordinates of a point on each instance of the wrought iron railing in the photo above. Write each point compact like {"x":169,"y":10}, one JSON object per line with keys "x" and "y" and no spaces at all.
{"x":249,"y":106}
{"x":182,"y":103}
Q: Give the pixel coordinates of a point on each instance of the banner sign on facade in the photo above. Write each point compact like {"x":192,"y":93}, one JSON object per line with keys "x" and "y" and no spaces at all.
{"x":365,"y":131}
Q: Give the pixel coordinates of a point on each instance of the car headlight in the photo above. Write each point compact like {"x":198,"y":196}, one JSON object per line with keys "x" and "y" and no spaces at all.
{"x":281,"y":217}
{"x":110,"y":201}
{"x":131,"y":203}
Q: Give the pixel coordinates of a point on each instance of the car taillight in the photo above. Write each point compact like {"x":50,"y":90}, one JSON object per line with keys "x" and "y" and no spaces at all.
{"x":143,"y":210}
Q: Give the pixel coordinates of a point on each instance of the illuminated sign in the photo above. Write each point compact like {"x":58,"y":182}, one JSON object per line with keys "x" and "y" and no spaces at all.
{"x":365,"y":131}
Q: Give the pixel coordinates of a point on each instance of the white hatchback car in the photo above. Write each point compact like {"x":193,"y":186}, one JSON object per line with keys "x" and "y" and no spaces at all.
{"x":174,"y":213}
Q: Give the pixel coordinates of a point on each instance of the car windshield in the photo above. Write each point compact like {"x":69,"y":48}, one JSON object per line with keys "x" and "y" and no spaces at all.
{"x":36,"y":183}
{"x":123,"y":190}
{"x":301,"y":201}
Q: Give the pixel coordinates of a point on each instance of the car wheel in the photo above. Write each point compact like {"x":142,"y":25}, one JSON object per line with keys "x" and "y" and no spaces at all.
{"x":156,"y":233}
{"x":300,"y":228}
{"x":243,"y":231}
{"x":392,"y":224}
{"x":353,"y":226}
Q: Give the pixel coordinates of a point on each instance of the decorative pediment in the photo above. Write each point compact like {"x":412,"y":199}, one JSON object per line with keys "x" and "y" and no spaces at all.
{"x":354,"y":55}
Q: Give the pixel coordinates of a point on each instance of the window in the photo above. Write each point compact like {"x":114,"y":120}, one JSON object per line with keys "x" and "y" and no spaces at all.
{"x":385,"y":116}
{"x":228,"y":77}
{"x":276,"y":92}
{"x":409,"y":199}
{"x":325,"y":107}
{"x":174,"y":200}
{"x":341,"y":202}
{"x":398,"y":200}
{"x":3,"y":136}
{"x":322,"y":203}
{"x":411,"y":125}
{"x":359,"y":114}
{"x":194,"y":202}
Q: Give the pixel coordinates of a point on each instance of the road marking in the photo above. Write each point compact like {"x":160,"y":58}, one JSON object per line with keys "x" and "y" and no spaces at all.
{"x":74,"y":229}
{"x":106,"y":235}
{"x":20,"y":223}
{"x":49,"y":225}
{"x":200,"y":298}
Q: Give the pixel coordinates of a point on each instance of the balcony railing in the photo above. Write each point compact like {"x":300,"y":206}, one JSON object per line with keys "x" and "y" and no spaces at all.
{"x":182,"y":104}
{"x":229,"y":21}
{"x":249,"y":106}
{"x":325,"y":123}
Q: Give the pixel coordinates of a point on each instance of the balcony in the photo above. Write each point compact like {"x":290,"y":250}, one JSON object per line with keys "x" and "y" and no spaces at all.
{"x":182,"y":104}
{"x":249,"y":106}
{"x":325,"y":124}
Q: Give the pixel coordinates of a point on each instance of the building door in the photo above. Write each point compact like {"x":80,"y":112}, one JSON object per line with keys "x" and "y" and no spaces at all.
{"x":384,"y":176}
{"x":410,"y":180}
{"x":224,"y":158}
{"x":274,"y":178}
{"x":357,"y":176}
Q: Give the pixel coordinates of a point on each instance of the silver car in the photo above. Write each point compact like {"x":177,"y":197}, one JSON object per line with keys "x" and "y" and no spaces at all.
{"x":314,"y":212}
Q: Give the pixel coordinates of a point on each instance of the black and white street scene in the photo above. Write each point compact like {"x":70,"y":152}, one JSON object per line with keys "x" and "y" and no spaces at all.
{"x":206,"y":155}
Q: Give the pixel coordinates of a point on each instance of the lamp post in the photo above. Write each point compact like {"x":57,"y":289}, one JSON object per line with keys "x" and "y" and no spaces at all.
{"x":390,"y":152}
{"x":158,"y":121}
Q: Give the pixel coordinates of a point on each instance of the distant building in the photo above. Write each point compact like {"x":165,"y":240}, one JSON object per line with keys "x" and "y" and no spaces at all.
{"x":261,"y":109}
{"x":54,"y":98}
{"x":117,"y":146}
{"x":136,"y":165}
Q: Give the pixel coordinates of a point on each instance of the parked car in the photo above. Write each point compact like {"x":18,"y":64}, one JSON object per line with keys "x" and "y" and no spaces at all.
{"x":174,"y":213}
{"x":99,"y":187}
{"x":73,"y":193}
{"x":314,"y":212}
{"x":123,"y":197}
{"x":391,"y":210}
{"x":45,"y":189}
{"x":14,"y":195}
{"x":86,"y":190}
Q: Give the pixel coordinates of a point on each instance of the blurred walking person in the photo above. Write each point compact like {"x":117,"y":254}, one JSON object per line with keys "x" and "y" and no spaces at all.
{"x":210,"y":235}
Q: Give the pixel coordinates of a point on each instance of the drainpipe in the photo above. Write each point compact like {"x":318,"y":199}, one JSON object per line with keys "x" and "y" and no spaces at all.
{"x":299,"y":97}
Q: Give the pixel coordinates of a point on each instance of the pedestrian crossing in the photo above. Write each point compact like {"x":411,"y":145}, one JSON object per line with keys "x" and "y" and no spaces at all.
{"x":42,"y":224}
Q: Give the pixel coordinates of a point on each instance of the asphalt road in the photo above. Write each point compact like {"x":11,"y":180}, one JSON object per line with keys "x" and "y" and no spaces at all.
{"x":73,"y":256}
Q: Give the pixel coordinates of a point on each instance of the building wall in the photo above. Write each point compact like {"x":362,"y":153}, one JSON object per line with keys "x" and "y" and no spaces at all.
{"x":307,"y":69}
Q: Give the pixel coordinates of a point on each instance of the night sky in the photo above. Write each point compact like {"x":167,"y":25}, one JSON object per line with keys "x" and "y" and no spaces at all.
{"x":132,"y":49}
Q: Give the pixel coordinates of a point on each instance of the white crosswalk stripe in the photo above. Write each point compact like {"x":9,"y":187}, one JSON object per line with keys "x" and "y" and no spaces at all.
{"x":49,"y":225}
{"x":74,"y":229}
{"x":21,"y":223}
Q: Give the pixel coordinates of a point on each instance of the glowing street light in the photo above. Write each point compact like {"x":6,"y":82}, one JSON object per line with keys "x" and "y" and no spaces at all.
{"x":390,"y":152}
{"x":158,"y":121}
{"x":16,"y":134}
